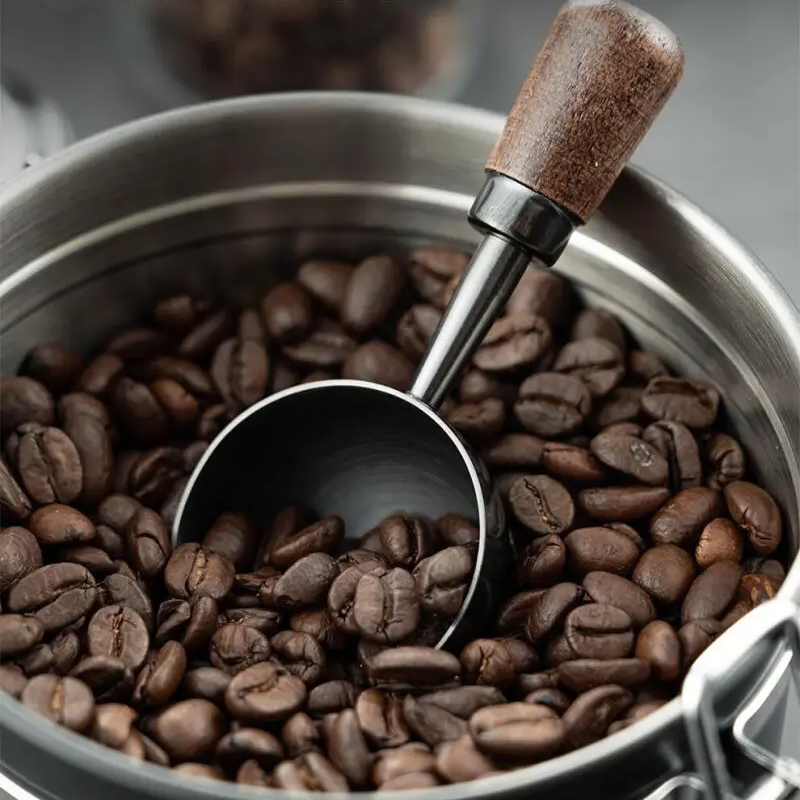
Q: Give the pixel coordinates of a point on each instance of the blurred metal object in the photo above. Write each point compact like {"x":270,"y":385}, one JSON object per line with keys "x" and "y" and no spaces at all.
{"x":187,"y":211}
{"x":31,"y":128}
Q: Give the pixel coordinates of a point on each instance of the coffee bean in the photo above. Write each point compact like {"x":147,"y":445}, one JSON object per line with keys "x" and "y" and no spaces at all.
{"x":622,"y":503}
{"x":206,"y":335}
{"x":517,"y":732}
{"x":379,"y":362}
{"x":191,"y":623}
{"x":12,"y":680}
{"x":118,"y":632}
{"x":757,"y":589}
{"x":300,"y":734}
{"x":592,"y":323}
{"x":431,"y":269}
{"x":644,"y":366}
{"x":318,"y":623}
{"x":413,"y":665}
{"x":385,"y":608}
{"x":121,"y":590}
{"x":348,"y":749}
{"x":513,"y":614}
{"x":113,"y":724}
{"x":20,"y":555}
{"x":457,"y":530}
{"x":341,"y":595}
{"x":50,"y":466}
{"x":588,"y":718}
{"x":233,"y":537}
{"x":58,"y":524}
{"x":138,"y":343}
{"x":240,"y":369}
{"x":487,"y":662}
{"x":161,"y":675}
{"x":614,"y":590}
{"x":753,"y":510}
{"x":306,"y":582}
{"x":247,"y":744}
{"x":585,"y":674}
{"x":109,"y":678}
{"x":180,"y":313}
{"x":572,"y":463}
{"x":544,"y":293}
{"x":542,"y":505}
{"x":374,"y":288}
{"x":14,"y":503}
{"x":194,"y":570}
{"x":325,"y":281}
{"x":596,"y":361}
{"x":94,"y":448}
{"x":19,"y":633}
{"x":263,"y":693}
{"x":478,"y":422}
{"x":207,"y":683}
{"x":695,"y":637}
{"x":405,"y":541}
{"x":724,"y":460}
{"x":187,"y":374}
{"x":139,"y":413}
{"x":301,"y":655}
{"x":65,"y":701}
{"x":692,"y":403}
{"x":681,"y":520}
{"x":665,"y":572}
{"x":57,"y":594}
{"x":100,"y":373}
{"x":711,"y":592}
{"x":97,"y":561}
{"x":381,"y":718}
{"x":188,"y":730}
{"x":477,"y":385}
{"x":599,"y":631}
{"x":720,"y":541}
{"x":460,"y":761}
{"x":309,"y":772}
{"x":676,"y":443}
{"x":514,"y":450}
{"x":600,"y":549}
{"x":416,"y":328}
{"x":548,"y":679}
{"x":324,"y":536}
{"x":442,"y":580}
{"x":236,"y":647}
{"x":552,"y":405}
{"x":632,"y":456}
{"x":659,"y":646}
{"x":331,"y":697}
{"x":514,"y":343}
{"x":54,"y":365}
{"x":321,"y":349}
{"x":24,"y":400}
{"x":620,"y":406}
{"x":549,"y":610}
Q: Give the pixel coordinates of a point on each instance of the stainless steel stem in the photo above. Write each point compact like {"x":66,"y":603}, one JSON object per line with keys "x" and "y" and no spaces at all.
{"x":488,"y":282}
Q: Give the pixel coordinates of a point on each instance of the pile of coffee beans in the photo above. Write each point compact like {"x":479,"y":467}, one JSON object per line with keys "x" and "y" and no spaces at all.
{"x":231,"y":48}
{"x":275,"y":658}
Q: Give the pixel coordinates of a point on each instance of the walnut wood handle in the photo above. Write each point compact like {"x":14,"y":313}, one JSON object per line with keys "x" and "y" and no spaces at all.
{"x":598,"y":83}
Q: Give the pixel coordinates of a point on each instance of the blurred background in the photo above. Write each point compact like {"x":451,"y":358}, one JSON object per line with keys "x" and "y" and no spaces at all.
{"x":729,"y":139}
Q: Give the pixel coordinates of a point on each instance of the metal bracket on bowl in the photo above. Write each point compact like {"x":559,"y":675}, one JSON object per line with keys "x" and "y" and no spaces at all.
{"x":765,"y":720}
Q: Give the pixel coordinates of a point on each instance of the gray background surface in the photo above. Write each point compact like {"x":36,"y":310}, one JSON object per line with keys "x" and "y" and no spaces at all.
{"x":728,"y":138}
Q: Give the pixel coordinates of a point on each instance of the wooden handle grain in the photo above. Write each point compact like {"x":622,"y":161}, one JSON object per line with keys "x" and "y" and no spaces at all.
{"x":604,"y":73}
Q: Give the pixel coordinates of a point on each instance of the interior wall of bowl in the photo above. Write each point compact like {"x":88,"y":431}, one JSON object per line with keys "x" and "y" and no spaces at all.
{"x":675,"y":299}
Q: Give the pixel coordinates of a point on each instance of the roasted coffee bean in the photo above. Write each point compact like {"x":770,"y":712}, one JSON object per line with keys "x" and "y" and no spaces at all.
{"x":192,"y":623}
{"x":309,"y":772}
{"x":323,"y":349}
{"x":148,"y":542}
{"x":431,"y":723}
{"x":620,"y":406}
{"x":676,"y":443}
{"x":57,"y":594}
{"x":599,"y":631}
{"x":24,"y":400}
{"x":120,"y":590}
{"x":161,"y":675}
{"x":118,"y":632}
{"x":379,"y":362}
{"x":513,"y":614}
{"x":300,"y":654}
{"x":208,"y":683}
{"x":589,"y":717}
{"x":442,"y":580}
{"x":553,"y":698}
{"x":517,"y":731}
{"x":15,"y":505}
{"x":263,"y":620}
{"x":478,"y":422}
{"x":720,"y":541}
{"x":194,"y":570}
{"x":140,"y":414}
{"x":191,"y":376}
{"x":138,"y":344}
{"x":432,"y":269}
{"x":386,"y":609}
{"x":188,"y":730}
{"x":20,"y":555}
{"x":405,"y":541}
{"x":477,"y":385}
{"x":513,"y":343}
{"x":113,"y":724}
{"x":300,"y":734}
{"x":487,"y":662}
{"x":264,"y":693}
{"x":153,"y":475}
{"x":544,"y":293}
{"x":416,"y":328}
{"x":753,"y":510}
{"x":596,"y":361}
{"x":348,"y":749}
{"x":464,"y":701}
{"x":19,"y":633}
{"x":455,"y":530}
{"x":65,"y":701}
{"x":665,"y":572}
{"x":233,"y":537}
{"x":318,"y":623}
{"x":373,"y":290}
{"x":659,"y":646}
{"x":247,"y":744}
{"x":306,"y":582}
{"x":182,"y":408}
{"x":324,"y":536}
{"x":414,"y":758}
{"x":97,"y":561}
{"x":644,"y":366}
{"x":572,"y":463}
{"x":591,"y":323}
{"x":696,"y":636}
{"x":692,"y":403}
{"x":12,"y":680}
{"x":381,"y":718}
{"x":240,"y":369}
{"x":460,"y":761}
{"x":614,"y":590}
{"x":514,"y":450}
{"x":206,"y":335}
{"x":622,"y":503}
{"x":548,"y":679}
{"x":234,"y":648}
{"x":711,"y":592}
{"x":180,"y":313}
{"x":49,"y":466}
{"x":325,"y":281}
{"x":412,"y":665}
{"x":724,"y":460}
{"x":100,"y":373}
{"x":600,"y":549}
{"x":94,"y":448}
{"x":549,"y":610}
{"x":681,"y":520}
{"x":585,"y":674}
{"x":552,"y":405}
{"x":331,"y":697}
{"x":58,"y":524}
{"x":109,"y":678}
{"x":631,"y":456}
{"x":341,"y":595}
{"x":54,"y":365}
{"x":542,"y":505}
{"x":66,"y":650}
{"x":757,"y":589}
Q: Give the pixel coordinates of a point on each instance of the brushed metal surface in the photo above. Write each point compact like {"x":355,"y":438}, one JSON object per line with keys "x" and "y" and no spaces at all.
{"x":223,"y":198}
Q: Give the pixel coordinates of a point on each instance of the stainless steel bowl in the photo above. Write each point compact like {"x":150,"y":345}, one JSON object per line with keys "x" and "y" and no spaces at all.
{"x":221,"y":198}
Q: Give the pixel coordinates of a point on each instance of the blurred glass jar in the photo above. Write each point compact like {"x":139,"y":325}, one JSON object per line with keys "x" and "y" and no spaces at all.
{"x":220,"y":48}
